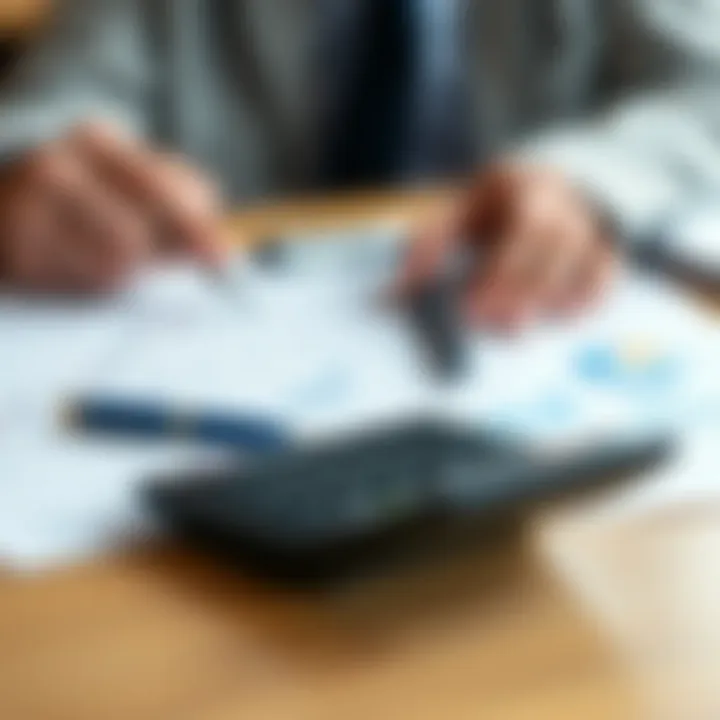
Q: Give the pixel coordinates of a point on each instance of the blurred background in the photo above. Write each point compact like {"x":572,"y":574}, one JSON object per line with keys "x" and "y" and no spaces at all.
{"x":604,"y":607}
{"x":18,"y":22}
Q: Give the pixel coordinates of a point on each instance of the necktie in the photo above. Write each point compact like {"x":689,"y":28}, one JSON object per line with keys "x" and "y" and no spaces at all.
{"x":440,"y":131}
{"x":367,"y":127}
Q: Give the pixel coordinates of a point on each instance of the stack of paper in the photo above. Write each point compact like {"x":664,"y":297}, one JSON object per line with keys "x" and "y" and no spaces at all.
{"x":307,"y":343}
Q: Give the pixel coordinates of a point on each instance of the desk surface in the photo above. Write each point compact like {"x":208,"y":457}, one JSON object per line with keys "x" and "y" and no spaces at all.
{"x":19,"y":17}
{"x":551,"y":622}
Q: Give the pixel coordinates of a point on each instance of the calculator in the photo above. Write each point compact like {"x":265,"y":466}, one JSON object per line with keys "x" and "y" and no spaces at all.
{"x":318,"y":512}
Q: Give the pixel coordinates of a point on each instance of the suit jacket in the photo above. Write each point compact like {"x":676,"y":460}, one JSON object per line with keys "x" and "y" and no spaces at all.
{"x":624,"y":95}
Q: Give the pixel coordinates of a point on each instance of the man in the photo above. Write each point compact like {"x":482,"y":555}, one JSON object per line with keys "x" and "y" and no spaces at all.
{"x":573,"y":112}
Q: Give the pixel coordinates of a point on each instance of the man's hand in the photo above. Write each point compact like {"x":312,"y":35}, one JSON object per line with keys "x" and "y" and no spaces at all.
{"x":83,"y":213}
{"x":541,"y":248}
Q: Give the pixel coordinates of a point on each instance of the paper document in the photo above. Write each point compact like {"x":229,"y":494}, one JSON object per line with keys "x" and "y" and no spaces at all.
{"x":307,"y":342}
{"x":646,"y":358}
{"x":693,"y":234}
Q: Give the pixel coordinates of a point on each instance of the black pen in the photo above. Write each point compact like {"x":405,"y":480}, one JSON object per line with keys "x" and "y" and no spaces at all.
{"x":435,"y":308}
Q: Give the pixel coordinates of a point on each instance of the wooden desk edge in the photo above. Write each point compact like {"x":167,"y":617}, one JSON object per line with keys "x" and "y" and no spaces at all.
{"x":20,"y":18}
{"x":252,"y":224}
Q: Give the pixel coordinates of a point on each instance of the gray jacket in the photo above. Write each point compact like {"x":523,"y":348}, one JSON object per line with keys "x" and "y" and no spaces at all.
{"x":624,"y":95}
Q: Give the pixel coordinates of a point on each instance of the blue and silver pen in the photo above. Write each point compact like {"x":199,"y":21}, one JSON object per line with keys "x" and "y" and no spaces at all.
{"x":154,"y":421}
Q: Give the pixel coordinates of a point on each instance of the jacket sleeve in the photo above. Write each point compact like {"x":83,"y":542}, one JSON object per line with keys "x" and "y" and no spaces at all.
{"x":94,"y":61}
{"x":648,"y":152}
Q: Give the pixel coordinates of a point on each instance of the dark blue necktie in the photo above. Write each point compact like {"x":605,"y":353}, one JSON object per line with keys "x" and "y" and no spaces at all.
{"x":440,"y":133}
{"x":366,"y":130}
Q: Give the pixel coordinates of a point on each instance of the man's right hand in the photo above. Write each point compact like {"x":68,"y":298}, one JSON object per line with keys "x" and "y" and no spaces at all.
{"x":83,"y":213}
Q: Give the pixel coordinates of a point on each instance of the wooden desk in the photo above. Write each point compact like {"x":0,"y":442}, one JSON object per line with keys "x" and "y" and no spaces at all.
{"x":21,"y":17}
{"x":506,"y":631}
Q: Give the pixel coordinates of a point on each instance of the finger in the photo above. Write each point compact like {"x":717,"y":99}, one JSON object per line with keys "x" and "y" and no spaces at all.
{"x":58,"y":217}
{"x":40,"y":218}
{"x":505,"y":292}
{"x":193,"y":224}
{"x":487,"y":297}
{"x":489,"y":204}
{"x":73,"y":271}
{"x":591,"y":279}
{"x":427,"y":250}
{"x":566,"y":253}
{"x":184,"y":204}
{"x":550,"y":235}
{"x":473,"y":220}
{"x":476,"y":220}
{"x":28,"y":245}
{"x":50,"y":262}
{"x":125,"y":236}
{"x":68,"y":265}
{"x":96,"y":222}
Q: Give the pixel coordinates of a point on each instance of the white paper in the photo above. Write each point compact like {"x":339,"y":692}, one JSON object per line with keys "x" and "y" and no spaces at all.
{"x":311,"y":346}
{"x":694,"y":235}
{"x":647,"y":357}
{"x":308,"y":352}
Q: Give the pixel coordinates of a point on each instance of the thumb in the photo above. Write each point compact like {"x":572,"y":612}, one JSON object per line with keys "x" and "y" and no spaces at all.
{"x":489,"y":204}
{"x":427,"y":248}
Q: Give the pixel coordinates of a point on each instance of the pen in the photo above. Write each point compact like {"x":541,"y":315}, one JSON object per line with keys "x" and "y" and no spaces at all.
{"x":155,"y":421}
{"x":435,"y":313}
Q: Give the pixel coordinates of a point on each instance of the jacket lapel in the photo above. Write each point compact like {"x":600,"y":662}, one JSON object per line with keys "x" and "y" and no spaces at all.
{"x":282,"y":33}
